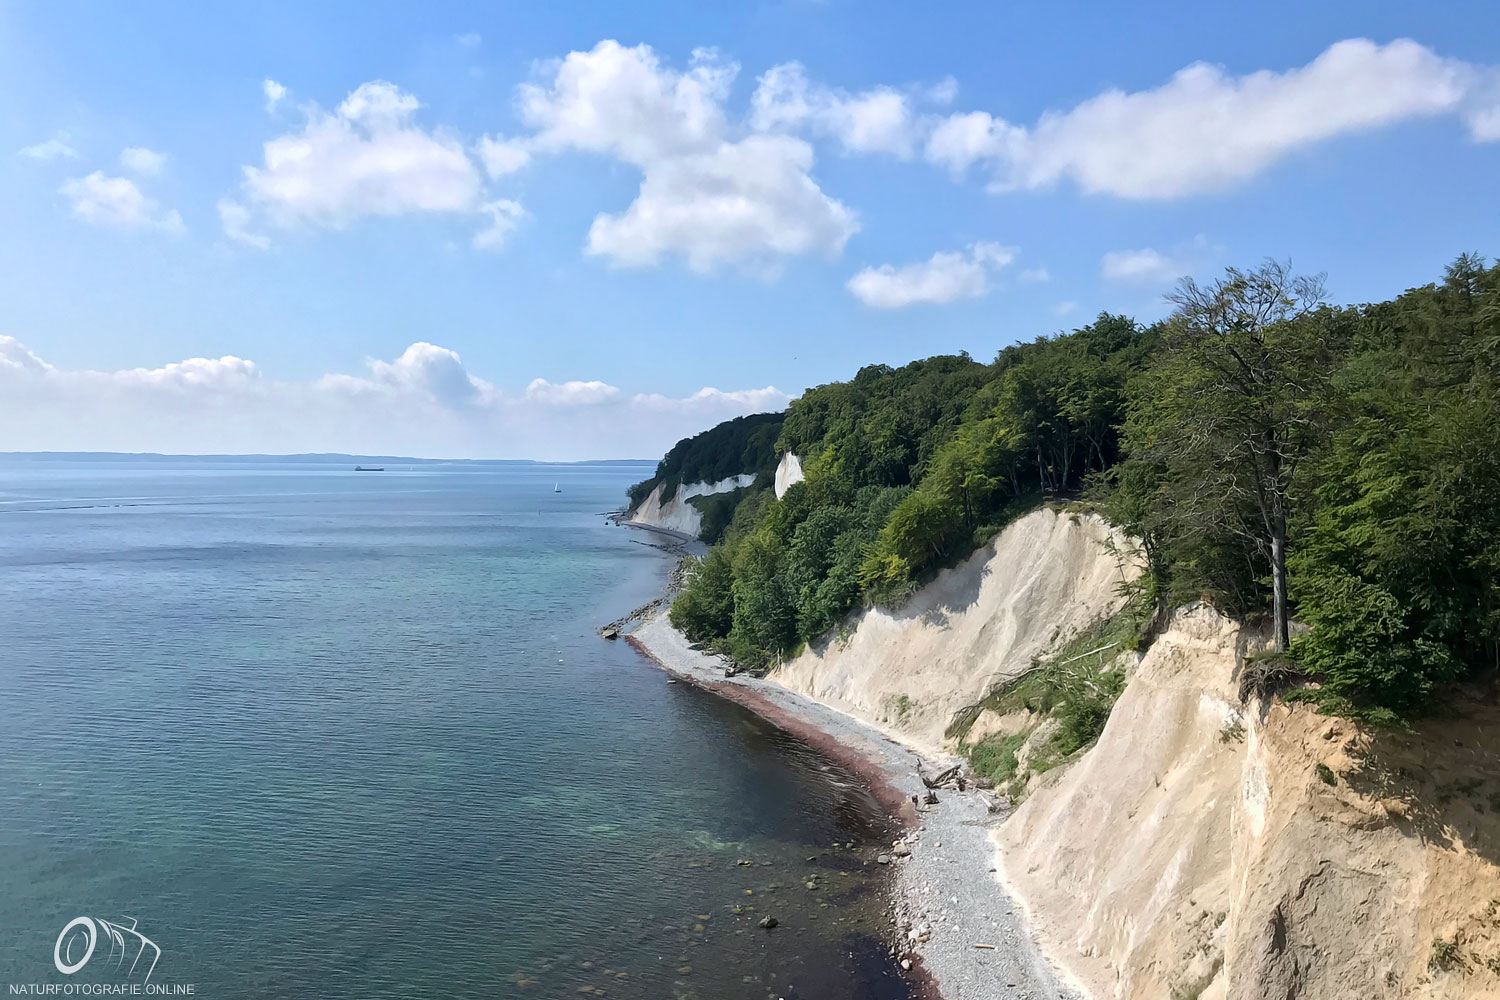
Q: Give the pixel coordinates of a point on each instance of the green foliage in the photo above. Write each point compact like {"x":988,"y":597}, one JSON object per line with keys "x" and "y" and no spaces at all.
{"x":705,"y":609}
{"x":1275,"y":456}
{"x":735,"y":447}
{"x":994,"y":757}
{"x":1074,"y":685}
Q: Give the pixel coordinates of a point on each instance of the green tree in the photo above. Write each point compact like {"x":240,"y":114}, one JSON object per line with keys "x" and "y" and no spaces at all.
{"x":1234,"y":407}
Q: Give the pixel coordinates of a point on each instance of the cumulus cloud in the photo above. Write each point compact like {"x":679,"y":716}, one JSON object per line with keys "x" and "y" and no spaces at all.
{"x":946,"y":276}
{"x":501,"y":156}
{"x":1034,"y":276}
{"x":709,"y":194}
{"x":573,"y":393}
{"x":118,"y":203}
{"x":423,"y":402}
{"x":56,"y":148}
{"x":15,"y":357}
{"x":468,"y":40}
{"x":435,"y":372}
{"x":504,"y":216}
{"x":881,"y":120}
{"x":1145,"y":266}
{"x":368,"y":157}
{"x":273,"y":92}
{"x":1205,"y":130}
{"x":744,"y":202}
{"x":142,"y":161}
{"x":711,"y":400}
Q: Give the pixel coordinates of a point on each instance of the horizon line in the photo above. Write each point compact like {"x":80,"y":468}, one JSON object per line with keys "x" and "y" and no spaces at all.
{"x":320,"y":455}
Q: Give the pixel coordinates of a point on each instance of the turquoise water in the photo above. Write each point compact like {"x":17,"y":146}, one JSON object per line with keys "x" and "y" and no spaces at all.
{"x":327,"y":734}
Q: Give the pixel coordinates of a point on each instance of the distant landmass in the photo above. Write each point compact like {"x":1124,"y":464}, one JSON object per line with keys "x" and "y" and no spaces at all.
{"x":308,"y":457}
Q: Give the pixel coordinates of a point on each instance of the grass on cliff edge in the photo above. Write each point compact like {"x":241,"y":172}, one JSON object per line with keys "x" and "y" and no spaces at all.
{"x":1072,"y":684}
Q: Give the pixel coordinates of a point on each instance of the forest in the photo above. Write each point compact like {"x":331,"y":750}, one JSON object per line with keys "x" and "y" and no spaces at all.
{"x":1333,"y":471}
{"x":744,"y":444}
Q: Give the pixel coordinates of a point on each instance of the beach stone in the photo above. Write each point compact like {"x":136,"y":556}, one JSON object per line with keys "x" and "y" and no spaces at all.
{"x":769,"y":922}
{"x":884,"y":859}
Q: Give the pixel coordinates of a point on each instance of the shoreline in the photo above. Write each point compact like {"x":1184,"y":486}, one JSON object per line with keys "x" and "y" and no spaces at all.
{"x":961,"y":934}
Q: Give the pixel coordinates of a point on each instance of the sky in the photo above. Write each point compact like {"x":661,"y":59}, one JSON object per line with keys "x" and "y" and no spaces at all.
{"x":574,"y":231}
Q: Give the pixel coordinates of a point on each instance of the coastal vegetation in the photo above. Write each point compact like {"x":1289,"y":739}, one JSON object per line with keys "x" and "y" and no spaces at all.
{"x":738,"y":446}
{"x":1332,"y":468}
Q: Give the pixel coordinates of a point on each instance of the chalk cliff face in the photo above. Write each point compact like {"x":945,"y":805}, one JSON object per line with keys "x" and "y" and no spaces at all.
{"x":1201,"y":849}
{"x":788,"y":471}
{"x":677,"y":514}
{"x":1040,"y":581}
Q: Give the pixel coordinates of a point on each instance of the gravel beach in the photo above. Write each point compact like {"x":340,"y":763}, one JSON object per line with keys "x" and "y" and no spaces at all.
{"x":953,"y":919}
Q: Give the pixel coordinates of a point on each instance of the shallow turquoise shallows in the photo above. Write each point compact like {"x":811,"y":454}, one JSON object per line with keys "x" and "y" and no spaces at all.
{"x":328,"y":734}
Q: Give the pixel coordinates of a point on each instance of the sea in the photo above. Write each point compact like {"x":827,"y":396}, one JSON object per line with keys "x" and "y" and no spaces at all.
{"x":278,"y":728}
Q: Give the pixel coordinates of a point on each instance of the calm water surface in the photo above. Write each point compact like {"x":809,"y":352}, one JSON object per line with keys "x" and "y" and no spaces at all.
{"x":327,"y":734}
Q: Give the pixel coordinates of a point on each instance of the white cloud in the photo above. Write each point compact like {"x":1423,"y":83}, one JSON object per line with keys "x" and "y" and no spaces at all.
{"x":117,"y":202}
{"x":1144,"y":266}
{"x":15,"y":357}
{"x":711,"y":400}
{"x":501,"y":156}
{"x":745,"y":202}
{"x":572,"y":393}
{"x":142,"y":161}
{"x":56,"y":148}
{"x":1064,"y":309}
{"x":1484,"y":124}
{"x":237,"y":220}
{"x":1205,"y":130}
{"x":622,"y":102}
{"x":944,"y":277}
{"x":468,"y":40}
{"x":707,"y":194}
{"x":435,"y":371}
{"x":218,"y":374}
{"x":424,"y":402}
{"x":962,"y":139}
{"x":504,"y":216}
{"x":1034,"y":276}
{"x":367,"y":158}
{"x":881,"y":120}
{"x":273,"y":92}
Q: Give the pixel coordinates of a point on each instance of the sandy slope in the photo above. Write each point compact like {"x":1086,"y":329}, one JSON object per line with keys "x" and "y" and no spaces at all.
{"x":1041,"y":580}
{"x":1197,"y":851}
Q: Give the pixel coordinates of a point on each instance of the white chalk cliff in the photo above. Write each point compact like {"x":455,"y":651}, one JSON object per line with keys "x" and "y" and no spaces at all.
{"x":1202,"y":848}
{"x":677,"y":514}
{"x":1040,"y":581}
{"x":788,"y":471}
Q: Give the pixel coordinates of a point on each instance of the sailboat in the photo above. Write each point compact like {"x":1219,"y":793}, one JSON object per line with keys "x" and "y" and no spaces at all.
{"x":557,"y":487}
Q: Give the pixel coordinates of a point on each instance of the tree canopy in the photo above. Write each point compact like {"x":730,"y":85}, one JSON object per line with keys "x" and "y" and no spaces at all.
{"x":1338,"y":467}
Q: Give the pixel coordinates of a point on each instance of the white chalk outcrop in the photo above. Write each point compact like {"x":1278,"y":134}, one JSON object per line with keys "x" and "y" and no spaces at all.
{"x":788,"y":471}
{"x":677,"y":514}
{"x":1040,"y":581}
{"x":1199,"y":851}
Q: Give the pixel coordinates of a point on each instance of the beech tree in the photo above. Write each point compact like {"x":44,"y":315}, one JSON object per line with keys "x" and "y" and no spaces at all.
{"x":1233,"y":408}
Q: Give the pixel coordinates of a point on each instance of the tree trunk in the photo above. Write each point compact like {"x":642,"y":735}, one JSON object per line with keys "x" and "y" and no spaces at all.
{"x":1278,"y":584}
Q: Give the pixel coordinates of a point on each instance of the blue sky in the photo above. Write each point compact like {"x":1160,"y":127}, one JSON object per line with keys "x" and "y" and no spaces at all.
{"x":528,"y":231}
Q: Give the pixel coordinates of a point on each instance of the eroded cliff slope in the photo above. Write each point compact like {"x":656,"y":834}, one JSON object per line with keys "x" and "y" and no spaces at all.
{"x":1044,"y":578}
{"x":1264,"y":853}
